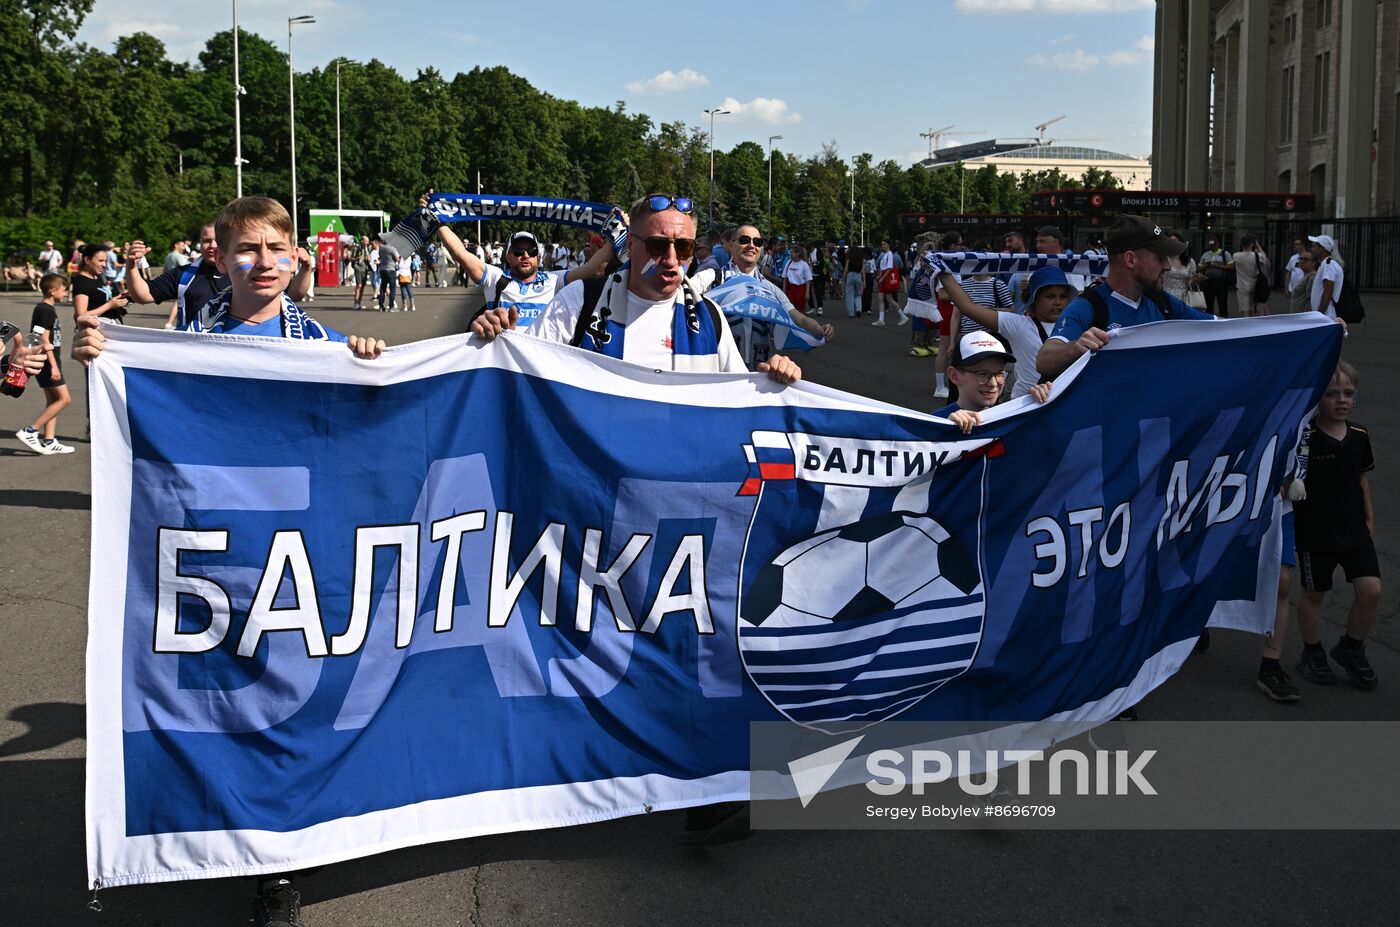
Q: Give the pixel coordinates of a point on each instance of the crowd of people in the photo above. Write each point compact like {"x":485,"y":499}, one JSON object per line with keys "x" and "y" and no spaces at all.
{"x":244,"y":274}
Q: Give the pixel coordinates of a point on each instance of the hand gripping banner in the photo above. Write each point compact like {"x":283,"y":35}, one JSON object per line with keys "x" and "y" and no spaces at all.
{"x":466,"y":589}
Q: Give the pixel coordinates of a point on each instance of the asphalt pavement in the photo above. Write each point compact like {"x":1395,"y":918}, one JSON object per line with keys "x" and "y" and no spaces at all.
{"x":629,"y":871}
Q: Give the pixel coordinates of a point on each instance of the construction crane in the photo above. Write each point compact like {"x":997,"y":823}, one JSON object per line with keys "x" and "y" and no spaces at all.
{"x":1040,"y":129}
{"x":936,"y":136}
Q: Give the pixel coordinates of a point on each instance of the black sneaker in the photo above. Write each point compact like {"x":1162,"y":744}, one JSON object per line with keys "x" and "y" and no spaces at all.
{"x":713,"y":825}
{"x":1277,"y":685}
{"x":1313,"y":666}
{"x":1357,"y":667}
{"x":277,"y":904}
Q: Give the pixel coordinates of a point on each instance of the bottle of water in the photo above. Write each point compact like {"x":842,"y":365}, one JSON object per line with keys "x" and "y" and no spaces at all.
{"x":17,"y":378}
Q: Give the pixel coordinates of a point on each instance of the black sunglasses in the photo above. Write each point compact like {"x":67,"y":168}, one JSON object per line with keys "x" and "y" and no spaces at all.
{"x":756,"y":241}
{"x":659,"y":202}
{"x":522,"y":252}
{"x":658,"y":245}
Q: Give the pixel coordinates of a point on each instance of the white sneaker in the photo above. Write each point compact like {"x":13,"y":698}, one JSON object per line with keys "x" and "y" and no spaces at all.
{"x":878,"y":322}
{"x":53,"y":447}
{"x":30,"y":439}
{"x":902,"y":319}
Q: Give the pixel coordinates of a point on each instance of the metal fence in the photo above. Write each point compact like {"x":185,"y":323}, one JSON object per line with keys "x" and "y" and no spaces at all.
{"x":1369,"y":248}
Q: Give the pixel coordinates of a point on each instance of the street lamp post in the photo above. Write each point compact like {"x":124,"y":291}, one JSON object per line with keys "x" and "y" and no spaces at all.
{"x":771,"y":140}
{"x":712,"y":113}
{"x":292,"y":112}
{"x":339,"y":190}
{"x":238,"y":92}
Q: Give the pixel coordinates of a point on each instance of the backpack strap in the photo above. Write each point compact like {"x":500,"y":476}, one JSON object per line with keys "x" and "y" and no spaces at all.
{"x":1096,"y":302}
{"x":592,"y":292}
{"x":1161,"y":300}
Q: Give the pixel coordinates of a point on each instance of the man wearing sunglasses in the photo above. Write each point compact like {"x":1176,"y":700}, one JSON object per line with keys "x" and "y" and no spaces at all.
{"x":522,"y":287}
{"x":755,"y":338}
{"x":647,"y":313}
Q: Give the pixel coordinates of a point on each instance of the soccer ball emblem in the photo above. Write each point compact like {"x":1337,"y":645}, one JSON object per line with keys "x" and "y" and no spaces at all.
{"x":856,"y":624}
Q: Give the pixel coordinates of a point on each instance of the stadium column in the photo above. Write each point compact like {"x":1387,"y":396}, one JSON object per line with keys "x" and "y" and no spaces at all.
{"x":1198,"y":52}
{"x":1251,"y":116}
{"x":1356,"y":107}
{"x":1166,"y":102}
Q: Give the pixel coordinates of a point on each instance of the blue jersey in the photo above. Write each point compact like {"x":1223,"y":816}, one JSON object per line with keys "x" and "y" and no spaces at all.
{"x":1078,"y":316}
{"x":529,"y":299}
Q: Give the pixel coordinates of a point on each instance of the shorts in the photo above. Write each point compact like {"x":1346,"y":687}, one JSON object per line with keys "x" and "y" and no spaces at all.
{"x":1289,"y":558}
{"x":945,"y":324}
{"x":49,"y":380}
{"x":361,"y":275}
{"x":1356,"y":562}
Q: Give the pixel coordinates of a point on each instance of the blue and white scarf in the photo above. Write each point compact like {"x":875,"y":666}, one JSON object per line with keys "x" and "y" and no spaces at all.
{"x":413,"y":231}
{"x":966,"y":263}
{"x":744,"y":296}
{"x":296,"y":324}
{"x":694,"y":339}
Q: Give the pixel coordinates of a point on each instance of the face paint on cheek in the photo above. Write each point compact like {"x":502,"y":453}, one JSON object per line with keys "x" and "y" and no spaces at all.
{"x":284,"y":263}
{"x":243,"y":267}
{"x":649,"y":270}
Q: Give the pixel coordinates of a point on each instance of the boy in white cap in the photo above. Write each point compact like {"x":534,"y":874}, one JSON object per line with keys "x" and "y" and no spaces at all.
{"x":978,"y":369}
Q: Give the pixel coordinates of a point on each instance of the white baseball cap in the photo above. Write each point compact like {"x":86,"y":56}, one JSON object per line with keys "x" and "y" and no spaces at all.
{"x":1326,"y":241}
{"x":980,"y":345}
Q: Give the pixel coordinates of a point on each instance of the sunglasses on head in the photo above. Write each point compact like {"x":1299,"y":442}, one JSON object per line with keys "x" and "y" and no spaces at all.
{"x":524,"y":250}
{"x":658,"y":245}
{"x":757,"y":241}
{"x":659,"y":202}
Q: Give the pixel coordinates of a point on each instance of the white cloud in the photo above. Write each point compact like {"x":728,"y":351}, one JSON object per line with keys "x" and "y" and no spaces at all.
{"x":1080,"y":60}
{"x":1077,"y":60}
{"x":760,"y":109}
{"x":1139,"y":53}
{"x":669,"y":82}
{"x":1053,"y":6}
{"x":1067,"y":37}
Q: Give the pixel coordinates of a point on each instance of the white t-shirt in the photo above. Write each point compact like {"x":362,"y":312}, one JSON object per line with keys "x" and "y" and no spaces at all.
{"x":648,"y":327}
{"x":1327,"y":270}
{"x":1020,"y":332}
{"x":561,"y":257}
{"x":1295,"y":273}
{"x":798,"y":272}
{"x":529,"y":299}
{"x":887,"y":260}
{"x":51,"y":260}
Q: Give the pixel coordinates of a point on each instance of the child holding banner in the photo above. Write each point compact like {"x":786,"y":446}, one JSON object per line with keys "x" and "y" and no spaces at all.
{"x":254,"y":248}
{"x":978,"y":369}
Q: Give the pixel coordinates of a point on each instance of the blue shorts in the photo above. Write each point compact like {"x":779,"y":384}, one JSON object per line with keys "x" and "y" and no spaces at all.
{"x":1290,"y":545}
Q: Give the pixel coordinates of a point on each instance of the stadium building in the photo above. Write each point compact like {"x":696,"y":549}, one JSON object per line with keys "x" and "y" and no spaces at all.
{"x":1020,"y":156}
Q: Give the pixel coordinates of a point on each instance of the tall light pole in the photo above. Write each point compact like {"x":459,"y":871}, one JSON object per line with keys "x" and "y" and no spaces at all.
{"x":339,"y":191}
{"x":712,"y":113}
{"x":238,"y":92}
{"x":771,"y":140}
{"x":479,"y":243}
{"x":292,"y":111}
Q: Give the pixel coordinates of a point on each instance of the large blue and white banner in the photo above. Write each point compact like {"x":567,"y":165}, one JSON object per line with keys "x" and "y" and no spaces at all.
{"x":342,"y":606}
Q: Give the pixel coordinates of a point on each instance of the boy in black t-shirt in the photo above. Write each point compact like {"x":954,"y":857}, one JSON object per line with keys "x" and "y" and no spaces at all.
{"x":1335,"y":525}
{"x":39,"y":437}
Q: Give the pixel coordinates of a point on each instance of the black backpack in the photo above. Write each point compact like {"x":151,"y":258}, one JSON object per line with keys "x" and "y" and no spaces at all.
{"x":1096,"y":301}
{"x":1348,"y":304}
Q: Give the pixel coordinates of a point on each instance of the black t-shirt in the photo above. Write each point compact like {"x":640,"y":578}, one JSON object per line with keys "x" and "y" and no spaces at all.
{"x":45,"y":316}
{"x":1333,"y":516}
{"x":207,"y":283}
{"x":98,"y":293}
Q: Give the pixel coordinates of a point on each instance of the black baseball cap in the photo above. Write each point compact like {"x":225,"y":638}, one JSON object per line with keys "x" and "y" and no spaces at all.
{"x":1129,"y":233}
{"x":1050,"y":231}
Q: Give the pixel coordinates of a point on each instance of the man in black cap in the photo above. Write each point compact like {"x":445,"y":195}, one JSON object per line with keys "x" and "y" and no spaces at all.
{"x":1131,"y":295}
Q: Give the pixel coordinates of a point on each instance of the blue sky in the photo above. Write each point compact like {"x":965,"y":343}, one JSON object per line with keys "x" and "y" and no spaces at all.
{"x":868,"y":74}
